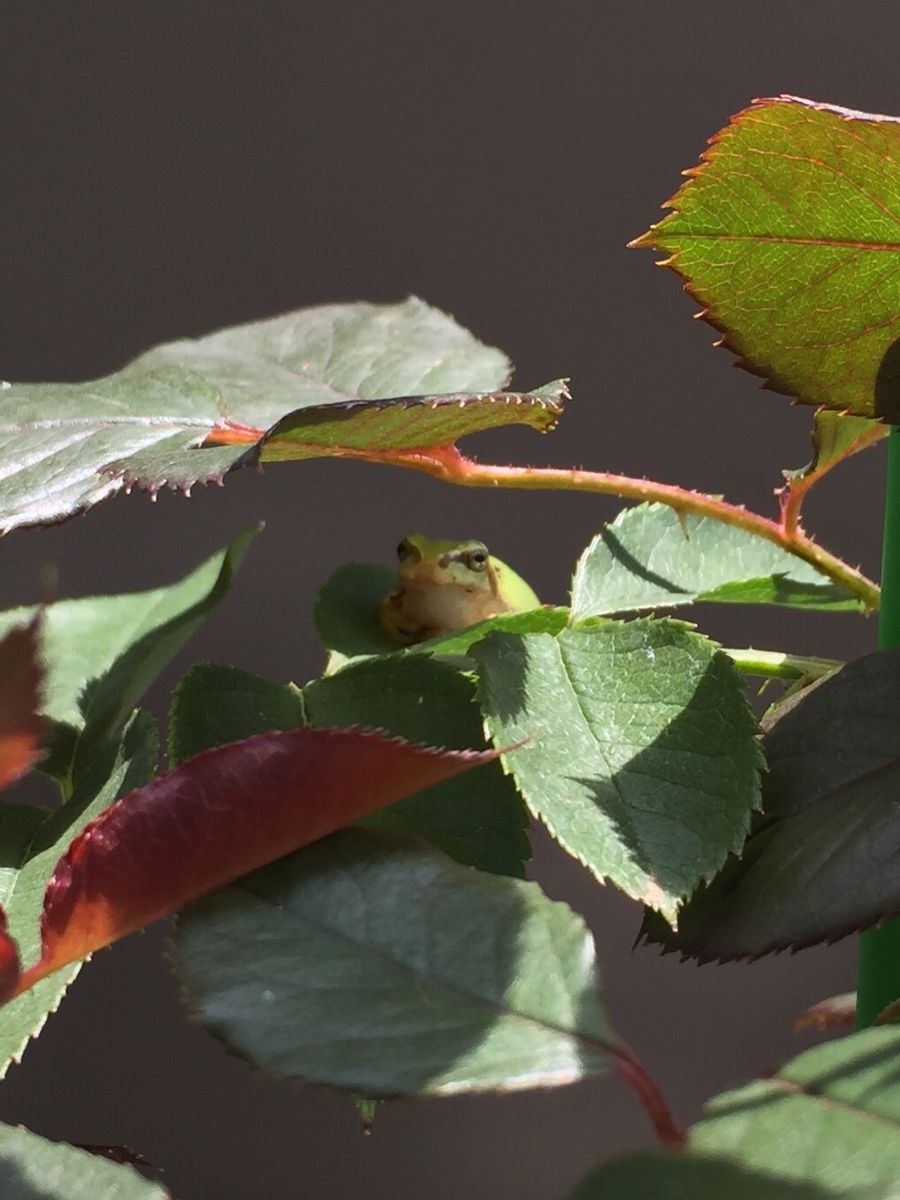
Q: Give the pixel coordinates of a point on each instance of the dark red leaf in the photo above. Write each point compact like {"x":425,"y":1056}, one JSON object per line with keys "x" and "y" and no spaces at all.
{"x":217,"y":816}
{"x":21,"y":677}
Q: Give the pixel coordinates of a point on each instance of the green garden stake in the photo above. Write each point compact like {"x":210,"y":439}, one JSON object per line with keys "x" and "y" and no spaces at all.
{"x":879,"y":949}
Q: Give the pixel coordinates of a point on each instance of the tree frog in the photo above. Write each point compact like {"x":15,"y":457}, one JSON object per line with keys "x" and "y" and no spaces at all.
{"x":442,"y":586}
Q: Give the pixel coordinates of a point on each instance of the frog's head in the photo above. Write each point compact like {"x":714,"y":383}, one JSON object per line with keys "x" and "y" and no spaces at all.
{"x":430,"y":561}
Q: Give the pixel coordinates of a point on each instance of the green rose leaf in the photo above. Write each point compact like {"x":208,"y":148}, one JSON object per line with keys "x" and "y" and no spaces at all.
{"x":480,"y":823}
{"x":32,"y":1168}
{"x":31,"y":843}
{"x":213,"y":705}
{"x":641,"y":756}
{"x":363,"y":380}
{"x":101,"y":653}
{"x":378,"y":965}
{"x":346,"y":617}
{"x":821,"y":859}
{"x":788,"y":234}
{"x":682,"y":1176}
{"x":828,"y":1119}
{"x":648,"y":557}
{"x":836,"y":437}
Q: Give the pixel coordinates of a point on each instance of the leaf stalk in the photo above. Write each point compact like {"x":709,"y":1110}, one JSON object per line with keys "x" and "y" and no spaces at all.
{"x":448,"y":464}
{"x":635,"y":1074}
{"x":775,"y":664}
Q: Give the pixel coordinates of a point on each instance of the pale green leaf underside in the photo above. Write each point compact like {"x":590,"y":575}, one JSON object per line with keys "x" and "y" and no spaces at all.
{"x":318,"y":380}
{"x":641,"y":755}
{"x":649,"y":558}
{"x":376,"y":964}
{"x":32,"y":1168}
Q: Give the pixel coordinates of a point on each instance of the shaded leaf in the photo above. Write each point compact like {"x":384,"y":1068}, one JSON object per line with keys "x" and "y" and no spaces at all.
{"x":679,"y":1176}
{"x":102,"y":652}
{"x":346,"y":617}
{"x":479,"y":819}
{"x":310,"y":383}
{"x":345,"y":611}
{"x":21,"y":685}
{"x":244,"y":803}
{"x":830,"y":1118}
{"x":32,"y":1168}
{"x":821,"y":860}
{"x":642,"y":761}
{"x":788,"y":234}
{"x":381,"y":966}
{"x":31,"y":843}
{"x":649,"y":557}
{"x":213,"y":704}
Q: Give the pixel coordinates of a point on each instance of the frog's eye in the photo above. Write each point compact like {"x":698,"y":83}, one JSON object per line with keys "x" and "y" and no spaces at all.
{"x":477,"y":560}
{"x":407,"y":552}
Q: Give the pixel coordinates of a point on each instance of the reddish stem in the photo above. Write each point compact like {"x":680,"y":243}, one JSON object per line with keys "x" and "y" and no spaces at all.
{"x":651,"y":1099}
{"x":447,"y":463}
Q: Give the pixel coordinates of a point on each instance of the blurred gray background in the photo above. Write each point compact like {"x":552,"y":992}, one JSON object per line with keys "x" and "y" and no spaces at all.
{"x":170,"y":168}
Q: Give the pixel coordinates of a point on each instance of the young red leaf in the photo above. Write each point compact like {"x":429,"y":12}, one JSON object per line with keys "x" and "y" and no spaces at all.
{"x":832,"y":1013}
{"x":21,"y":677}
{"x":215,"y":817}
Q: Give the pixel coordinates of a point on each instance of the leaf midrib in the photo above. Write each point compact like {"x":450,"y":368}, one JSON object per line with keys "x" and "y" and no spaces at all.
{"x":419,"y":977}
{"x":787,"y":239}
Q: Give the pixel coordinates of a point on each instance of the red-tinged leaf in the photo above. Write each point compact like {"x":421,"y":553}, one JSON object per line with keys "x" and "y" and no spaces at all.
{"x":835,"y":1012}
{"x":836,"y":437}
{"x":21,"y":678}
{"x":788,"y":234}
{"x":10,"y":967}
{"x":215,"y":817}
{"x":388,"y":430}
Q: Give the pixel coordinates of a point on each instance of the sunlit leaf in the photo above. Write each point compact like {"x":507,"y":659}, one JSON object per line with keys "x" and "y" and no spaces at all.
{"x":650,"y":558}
{"x":376,"y":964}
{"x":788,"y":233}
{"x":379,"y":428}
{"x":363,"y":380}
{"x":641,"y":759}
